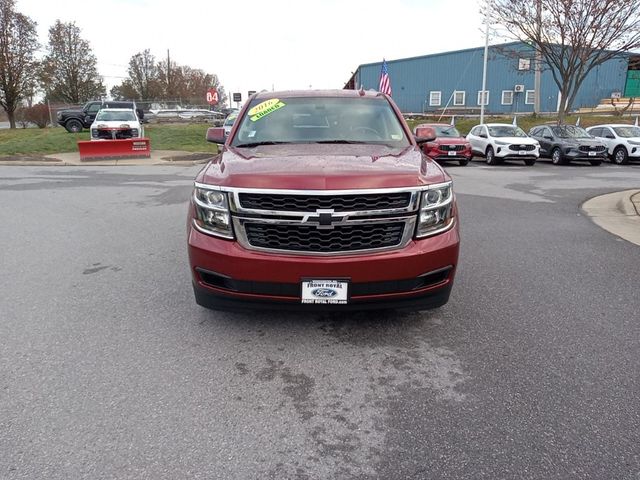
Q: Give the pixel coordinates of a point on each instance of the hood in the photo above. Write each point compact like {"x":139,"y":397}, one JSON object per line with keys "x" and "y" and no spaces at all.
{"x":116,"y":124}
{"x":517,"y":140}
{"x":450,"y":140}
{"x":580,"y":141}
{"x":321,"y":167}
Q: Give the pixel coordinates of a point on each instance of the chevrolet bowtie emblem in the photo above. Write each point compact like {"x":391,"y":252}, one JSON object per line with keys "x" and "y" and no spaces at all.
{"x":324,"y":218}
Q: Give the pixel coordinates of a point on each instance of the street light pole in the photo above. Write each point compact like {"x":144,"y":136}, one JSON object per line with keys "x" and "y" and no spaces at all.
{"x":538,"y":58}
{"x":484,"y":66}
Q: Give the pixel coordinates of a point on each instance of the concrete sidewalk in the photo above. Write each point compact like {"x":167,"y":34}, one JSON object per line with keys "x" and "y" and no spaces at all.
{"x":618,"y":213}
{"x":158,"y":157}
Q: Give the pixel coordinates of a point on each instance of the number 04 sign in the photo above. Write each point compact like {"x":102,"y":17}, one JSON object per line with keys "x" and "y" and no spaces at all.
{"x":212,"y":96}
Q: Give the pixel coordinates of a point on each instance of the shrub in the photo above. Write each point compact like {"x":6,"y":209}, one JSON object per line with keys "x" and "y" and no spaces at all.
{"x":38,"y":114}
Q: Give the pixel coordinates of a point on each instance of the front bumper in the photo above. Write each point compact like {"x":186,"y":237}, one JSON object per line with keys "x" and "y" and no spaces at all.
{"x":227,"y":276}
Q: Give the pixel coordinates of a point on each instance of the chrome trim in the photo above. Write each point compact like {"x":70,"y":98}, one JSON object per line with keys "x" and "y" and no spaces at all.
{"x":407,"y":235}
{"x":194,"y":222}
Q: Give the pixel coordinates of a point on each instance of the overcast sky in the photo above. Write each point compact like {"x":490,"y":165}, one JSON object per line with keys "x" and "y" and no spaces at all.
{"x":255,"y":45}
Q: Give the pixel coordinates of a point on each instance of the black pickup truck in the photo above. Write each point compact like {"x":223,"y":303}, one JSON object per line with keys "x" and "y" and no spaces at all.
{"x":74,"y":120}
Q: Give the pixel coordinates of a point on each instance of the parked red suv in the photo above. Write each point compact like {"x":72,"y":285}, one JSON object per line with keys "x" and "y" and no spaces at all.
{"x":322,"y":200}
{"x":449,"y":145}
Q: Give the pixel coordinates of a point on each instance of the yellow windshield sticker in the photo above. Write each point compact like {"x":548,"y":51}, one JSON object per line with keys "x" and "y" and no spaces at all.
{"x":265,"y":108}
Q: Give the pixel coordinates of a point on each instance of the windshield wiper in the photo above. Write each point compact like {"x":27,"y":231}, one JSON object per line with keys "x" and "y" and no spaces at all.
{"x":346,"y":142}
{"x":257,"y":144}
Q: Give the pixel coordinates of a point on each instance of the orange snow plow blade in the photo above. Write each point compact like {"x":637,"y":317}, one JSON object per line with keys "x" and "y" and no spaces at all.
{"x":113,"y":149}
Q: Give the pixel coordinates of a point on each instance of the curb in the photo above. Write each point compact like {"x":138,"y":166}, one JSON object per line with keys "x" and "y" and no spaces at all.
{"x":617,"y":212}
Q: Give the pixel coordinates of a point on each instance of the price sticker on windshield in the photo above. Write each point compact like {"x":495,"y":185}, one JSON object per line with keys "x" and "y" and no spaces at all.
{"x":265,"y":108}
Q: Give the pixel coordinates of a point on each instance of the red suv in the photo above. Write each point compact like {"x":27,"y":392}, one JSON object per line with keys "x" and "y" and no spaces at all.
{"x":449,"y":145}
{"x":322,"y":200}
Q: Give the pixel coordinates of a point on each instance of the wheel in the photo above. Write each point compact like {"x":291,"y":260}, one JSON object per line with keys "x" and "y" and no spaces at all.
{"x":620,"y":156}
{"x":464,"y":163}
{"x":595,"y":163}
{"x":73,"y":126}
{"x":556,"y":157}
{"x":530,"y":162}
{"x":490,"y":156}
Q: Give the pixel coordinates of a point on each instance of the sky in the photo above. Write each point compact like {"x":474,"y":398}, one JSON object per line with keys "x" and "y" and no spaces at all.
{"x":272,"y":44}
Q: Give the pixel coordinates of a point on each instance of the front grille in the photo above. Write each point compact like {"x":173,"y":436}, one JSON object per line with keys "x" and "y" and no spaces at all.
{"x":517,"y":148}
{"x":119,"y":134}
{"x":342,"y":238}
{"x":592,"y":148}
{"x":450,"y":148}
{"x":310,"y":203}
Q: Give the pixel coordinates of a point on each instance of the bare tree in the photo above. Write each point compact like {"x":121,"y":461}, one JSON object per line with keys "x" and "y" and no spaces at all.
{"x":143,"y":75}
{"x":572,"y":36}
{"x":69,"y":70}
{"x":18,"y":44}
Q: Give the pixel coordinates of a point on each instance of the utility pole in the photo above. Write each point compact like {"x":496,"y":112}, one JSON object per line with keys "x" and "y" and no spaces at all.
{"x":538,"y":58}
{"x":484,"y":66}
{"x":168,"y":73}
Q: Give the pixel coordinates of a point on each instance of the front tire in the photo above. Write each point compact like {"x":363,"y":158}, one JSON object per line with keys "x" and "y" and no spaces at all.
{"x":73,"y":126}
{"x":620,"y":156}
{"x":464,"y":163}
{"x":556,"y":157}
{"x":491,"y":156}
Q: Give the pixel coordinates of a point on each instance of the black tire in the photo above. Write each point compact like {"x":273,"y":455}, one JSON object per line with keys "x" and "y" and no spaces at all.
{"x":620,"y":156}
{"x":490,"y":156}
{"x":73,"y":126}
{"x":556,"y":157}
{"x":595,"y":163}
{"x":530,"y":162}
{"x":463,"y":163}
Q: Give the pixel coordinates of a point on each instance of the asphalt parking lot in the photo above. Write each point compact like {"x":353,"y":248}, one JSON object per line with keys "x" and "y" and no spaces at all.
{"x":108,"y":369}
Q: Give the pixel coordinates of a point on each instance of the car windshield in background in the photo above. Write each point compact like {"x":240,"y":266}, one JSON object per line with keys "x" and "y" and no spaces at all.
{"x":320,"y":120}
{"x":506,"y":131}
{"x":446,"y":131}
{"x":106,"y":116}
{"x":230,"y":119}
{"x":570,"y":131}
{"x":627,"y":132}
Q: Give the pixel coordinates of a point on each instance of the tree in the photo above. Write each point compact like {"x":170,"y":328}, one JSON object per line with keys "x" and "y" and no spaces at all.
{"x":18,"y":44}
{"x":572,"y":36}
{"x":69,"y":71}
{"x":143,"y":75}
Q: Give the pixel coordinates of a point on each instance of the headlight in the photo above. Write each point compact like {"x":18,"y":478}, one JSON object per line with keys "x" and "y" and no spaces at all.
{"x":436,"y":210}
{"x":94,"y":132}
{"x":134,"y":132}
{"x":212,"y":212}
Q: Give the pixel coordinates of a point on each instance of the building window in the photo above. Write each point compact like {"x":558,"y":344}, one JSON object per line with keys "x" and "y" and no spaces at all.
{"x":458,"y":97}
{"x":483,"y":99}
{"x":435,"y":99}
{"x":524,"y":64}
{"x":507,"y":97}
{"x":530,"y":97}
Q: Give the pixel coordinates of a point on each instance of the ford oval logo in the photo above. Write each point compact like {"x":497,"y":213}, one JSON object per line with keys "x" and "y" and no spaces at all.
{"x":324,"y":292}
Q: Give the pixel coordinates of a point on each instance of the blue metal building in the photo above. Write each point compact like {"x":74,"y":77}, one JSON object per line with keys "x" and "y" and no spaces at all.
{"x":453,"y":81}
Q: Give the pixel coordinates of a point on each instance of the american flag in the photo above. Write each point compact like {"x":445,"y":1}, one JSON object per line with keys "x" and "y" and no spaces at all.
{"x":385,"y":82}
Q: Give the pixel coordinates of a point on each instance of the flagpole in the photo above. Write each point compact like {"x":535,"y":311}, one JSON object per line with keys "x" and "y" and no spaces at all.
{"x":484,"y":66}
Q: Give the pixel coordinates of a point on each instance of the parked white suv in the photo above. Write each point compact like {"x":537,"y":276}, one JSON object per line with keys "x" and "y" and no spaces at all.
{"x":116,"y":124}
{"x":501,"y":141}
{"x":622,"y":141}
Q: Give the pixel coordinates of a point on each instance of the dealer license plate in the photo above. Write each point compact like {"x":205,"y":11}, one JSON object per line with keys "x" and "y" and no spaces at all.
{"x":452,"y":153}
{"x":522,"y":152}
{"x":325,"y":291}
{"x":592,"y":154}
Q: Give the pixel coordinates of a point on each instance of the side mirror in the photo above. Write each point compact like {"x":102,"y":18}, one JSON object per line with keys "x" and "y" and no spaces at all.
{"x":610,"y":136}
{"x":548,"y":137}
{"x":216,"y":135}
{"x":424,"y":135}
{"x":483,"y":135}
{"x":88,"y":119}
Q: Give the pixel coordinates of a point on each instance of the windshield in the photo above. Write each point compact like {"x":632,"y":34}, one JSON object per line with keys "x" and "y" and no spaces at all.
{"x":506,"y":131}
{"x":320,"y":120}
{"x":627,"y":132}
{"x":570,"y":131}
{"x":446,"y":131}
{"x":230,"y":119}
{"x":116,"y":116}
